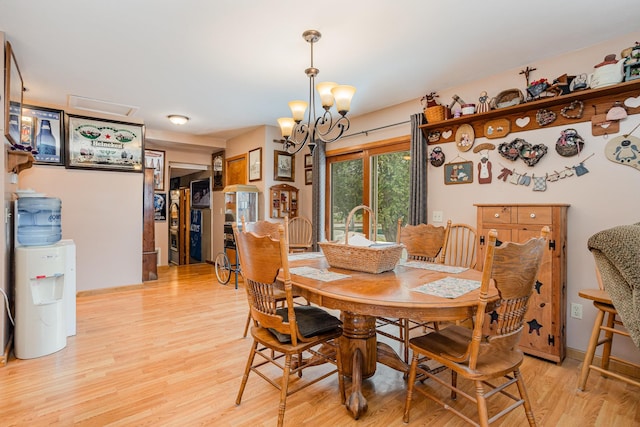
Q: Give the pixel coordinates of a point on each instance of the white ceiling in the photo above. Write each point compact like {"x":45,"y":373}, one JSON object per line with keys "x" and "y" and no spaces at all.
{"x":232,"y":65}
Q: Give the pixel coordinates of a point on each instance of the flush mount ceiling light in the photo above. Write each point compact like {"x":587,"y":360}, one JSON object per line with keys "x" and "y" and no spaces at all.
{"x":297,"y":133}
{"x":177,"y":119}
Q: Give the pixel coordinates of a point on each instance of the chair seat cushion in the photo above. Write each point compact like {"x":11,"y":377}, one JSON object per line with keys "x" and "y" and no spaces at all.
{"x":311,"y":321}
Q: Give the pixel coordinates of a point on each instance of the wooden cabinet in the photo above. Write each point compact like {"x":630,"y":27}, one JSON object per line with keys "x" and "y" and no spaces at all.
{"x":544,"y":333}
{"x":284,"y":201}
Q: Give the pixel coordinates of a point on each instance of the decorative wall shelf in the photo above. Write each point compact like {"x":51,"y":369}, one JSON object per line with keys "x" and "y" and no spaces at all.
{"x":523,"y":116}
{"x":17,"y":161}
{"x":284,"y":201}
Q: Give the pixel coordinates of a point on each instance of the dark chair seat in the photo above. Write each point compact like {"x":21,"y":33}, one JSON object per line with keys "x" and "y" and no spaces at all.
{"x":311,"y":321}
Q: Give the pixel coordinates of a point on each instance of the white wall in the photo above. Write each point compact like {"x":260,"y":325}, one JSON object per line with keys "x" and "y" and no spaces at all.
{"x":102,"y":214}
{"x":604,"y":197}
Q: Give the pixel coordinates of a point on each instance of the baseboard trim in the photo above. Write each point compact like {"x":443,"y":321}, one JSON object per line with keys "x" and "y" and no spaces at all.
{"x":108,"y":290}
{"x":615,"y":366}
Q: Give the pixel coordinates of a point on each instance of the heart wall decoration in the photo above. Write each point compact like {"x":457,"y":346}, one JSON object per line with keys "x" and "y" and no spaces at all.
{"x":522,"y":122}
{"x":632,"y":102}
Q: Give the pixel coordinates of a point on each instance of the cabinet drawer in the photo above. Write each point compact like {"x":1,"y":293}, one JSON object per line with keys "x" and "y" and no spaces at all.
{"x":497,"y":214}
{"x":534,"y":215}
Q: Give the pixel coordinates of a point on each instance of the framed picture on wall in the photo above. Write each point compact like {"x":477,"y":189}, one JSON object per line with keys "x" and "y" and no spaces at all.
{"x":217,"y":160}
{"x":308,"y":176}
{"x":160,"y":206}
{"x":284,"y":166}
{"x":154,"y":159}
{"x":308,"y":161}
{"x":43,"y":129}
{"x":104,"y":144}
{"x":201,"y":194}
{"x":255,"y":165}
{"x":458,"y":173}
{"x":13,"y":89}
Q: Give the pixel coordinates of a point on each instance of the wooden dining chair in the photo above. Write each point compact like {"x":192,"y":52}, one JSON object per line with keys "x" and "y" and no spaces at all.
{"x":486,"y":353}
{"x":291,"y":331}
{"x":299,"y":234}
{"x":263,"y":228}
{"x":616,"y":252}
{"x":461,"y":246}
{"x":423,"y":242}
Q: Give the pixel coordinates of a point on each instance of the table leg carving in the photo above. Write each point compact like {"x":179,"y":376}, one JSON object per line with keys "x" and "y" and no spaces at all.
{"x":357,"y":403}
{"x":387,"y":356}
{"x":358,"y":344}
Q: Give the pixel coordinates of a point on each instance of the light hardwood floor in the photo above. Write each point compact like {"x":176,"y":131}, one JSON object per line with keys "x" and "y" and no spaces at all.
{"x":172,"y":354}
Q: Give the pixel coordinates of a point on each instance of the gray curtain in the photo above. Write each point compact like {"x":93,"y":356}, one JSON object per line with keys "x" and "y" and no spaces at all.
{"x":318,"y":195}
{"x":418,"y":184}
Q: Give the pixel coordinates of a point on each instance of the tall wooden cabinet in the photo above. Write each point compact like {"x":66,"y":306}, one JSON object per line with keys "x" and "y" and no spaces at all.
{"x":544,"y":334}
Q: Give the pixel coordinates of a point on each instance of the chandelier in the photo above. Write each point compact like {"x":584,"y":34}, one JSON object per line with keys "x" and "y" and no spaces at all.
{"x":297,"y":133}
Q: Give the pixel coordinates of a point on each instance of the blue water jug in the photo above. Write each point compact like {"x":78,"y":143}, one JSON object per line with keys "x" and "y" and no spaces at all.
{"x":39,"y":221}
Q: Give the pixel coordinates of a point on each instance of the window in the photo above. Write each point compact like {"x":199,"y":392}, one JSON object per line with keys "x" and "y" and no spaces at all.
{"x":376,"y":175}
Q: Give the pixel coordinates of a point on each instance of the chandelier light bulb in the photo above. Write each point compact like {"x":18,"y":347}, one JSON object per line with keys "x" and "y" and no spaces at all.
{"x":286,"y":126}
{"x":298,"y":108}
{"x":343,"y":95}
{"x":324,"y":90}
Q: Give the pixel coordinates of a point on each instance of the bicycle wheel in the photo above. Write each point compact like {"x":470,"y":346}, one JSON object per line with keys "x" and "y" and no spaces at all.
{"x":223,"y":268}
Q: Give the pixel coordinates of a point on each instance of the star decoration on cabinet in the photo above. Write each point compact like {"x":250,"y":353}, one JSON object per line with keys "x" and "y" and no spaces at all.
{"x":537,"y":286}
{"x":534,"y":326}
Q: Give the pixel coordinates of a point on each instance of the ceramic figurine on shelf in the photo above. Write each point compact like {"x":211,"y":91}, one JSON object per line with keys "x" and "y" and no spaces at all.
{"x":483,"y":103}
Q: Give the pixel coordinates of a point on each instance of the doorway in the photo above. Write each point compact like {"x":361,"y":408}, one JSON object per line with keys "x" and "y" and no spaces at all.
{"x":189,"y":227}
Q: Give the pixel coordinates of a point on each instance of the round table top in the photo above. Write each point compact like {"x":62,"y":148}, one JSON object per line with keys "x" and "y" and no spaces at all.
{"x":387,"y":294}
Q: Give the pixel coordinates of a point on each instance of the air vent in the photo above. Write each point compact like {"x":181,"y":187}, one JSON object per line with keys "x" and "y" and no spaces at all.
{"x":98,"y":106}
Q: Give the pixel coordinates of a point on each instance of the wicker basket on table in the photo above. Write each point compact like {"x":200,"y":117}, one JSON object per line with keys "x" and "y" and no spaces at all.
{"x":371,"y":259}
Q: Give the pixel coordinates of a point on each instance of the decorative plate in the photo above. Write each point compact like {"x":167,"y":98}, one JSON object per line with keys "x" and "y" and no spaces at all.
{"x":465,"y":137}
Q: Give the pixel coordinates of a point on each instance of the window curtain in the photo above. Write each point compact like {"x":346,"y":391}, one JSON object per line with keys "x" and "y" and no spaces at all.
{"x":418,"y":185}
{"x":318,"y":195}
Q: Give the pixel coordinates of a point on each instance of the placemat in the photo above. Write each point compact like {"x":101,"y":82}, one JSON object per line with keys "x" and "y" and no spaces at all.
{"x":435,"y":267}
{"x":317,"y":274}
{"x":305,"y":255}
{"x":449,"y":287}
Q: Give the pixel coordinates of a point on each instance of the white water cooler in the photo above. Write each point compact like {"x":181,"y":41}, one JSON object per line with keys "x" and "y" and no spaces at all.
{"x":45,"y":310}
{"x":40,"y":327}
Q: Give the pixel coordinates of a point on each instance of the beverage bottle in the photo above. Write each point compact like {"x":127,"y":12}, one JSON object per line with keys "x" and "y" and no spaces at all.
{"x":45,"y":141}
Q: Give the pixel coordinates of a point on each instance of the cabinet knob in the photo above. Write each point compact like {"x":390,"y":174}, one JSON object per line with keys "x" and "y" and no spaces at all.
{"x":532,"y":215}
{"x":497,"y":215}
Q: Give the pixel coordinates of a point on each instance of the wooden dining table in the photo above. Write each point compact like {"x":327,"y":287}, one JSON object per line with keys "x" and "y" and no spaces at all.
{"x":361,"y":297}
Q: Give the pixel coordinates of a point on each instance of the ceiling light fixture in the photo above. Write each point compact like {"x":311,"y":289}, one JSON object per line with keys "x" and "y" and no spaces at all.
{"x":297,"y":133}
{"x":177,"y":119}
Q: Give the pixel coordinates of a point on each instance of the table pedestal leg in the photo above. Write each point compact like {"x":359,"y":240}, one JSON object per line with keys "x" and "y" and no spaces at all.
{"x":358,"y":345}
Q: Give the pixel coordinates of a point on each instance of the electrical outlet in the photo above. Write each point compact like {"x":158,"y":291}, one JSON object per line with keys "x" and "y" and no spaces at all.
{"x":576,"y":310}
{"x":437,"y":216}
